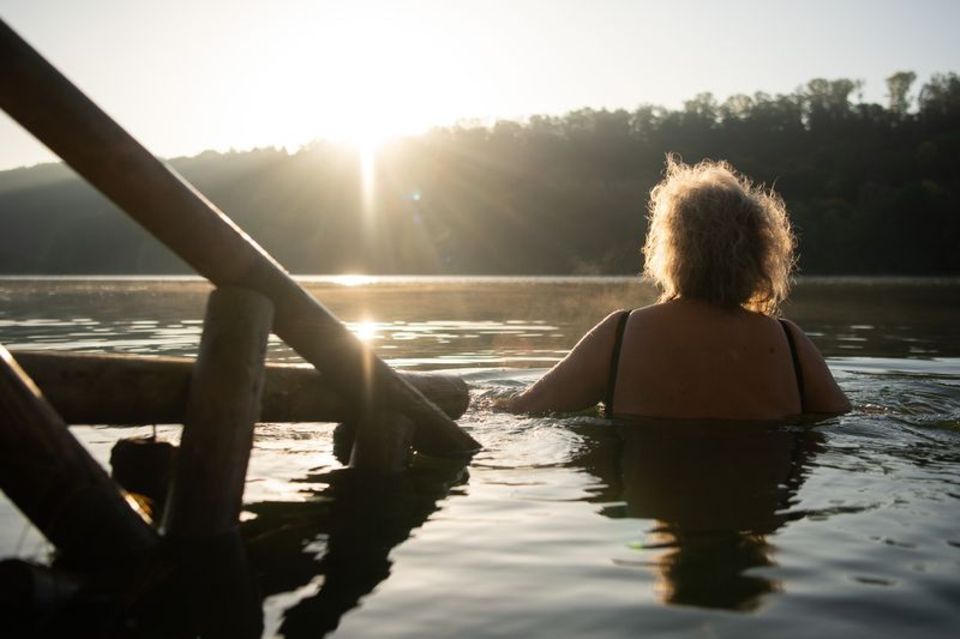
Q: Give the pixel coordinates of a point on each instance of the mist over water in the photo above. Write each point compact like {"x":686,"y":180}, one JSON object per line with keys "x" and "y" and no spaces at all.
{"x":572,"y":525}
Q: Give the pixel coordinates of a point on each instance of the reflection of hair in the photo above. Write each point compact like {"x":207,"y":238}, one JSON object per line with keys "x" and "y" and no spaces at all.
{"x":713,"y":570}
{"x":716,"y":236}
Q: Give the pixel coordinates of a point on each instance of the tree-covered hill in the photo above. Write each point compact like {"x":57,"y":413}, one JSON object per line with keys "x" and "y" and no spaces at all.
{"x":872,"y":190}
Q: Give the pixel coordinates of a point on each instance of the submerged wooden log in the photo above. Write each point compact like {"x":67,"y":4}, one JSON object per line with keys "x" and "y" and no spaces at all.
{"x":144,"y":466}
{"x":94,"y":388}
{"x":222,"y":407}
{"x":50,"y":107}
{"x":55,"y":482}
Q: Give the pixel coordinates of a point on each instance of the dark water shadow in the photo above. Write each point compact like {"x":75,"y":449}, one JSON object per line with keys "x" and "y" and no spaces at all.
{"x":182,"y":588}
{"x":343,"y":535}
{"x":716,"y":492}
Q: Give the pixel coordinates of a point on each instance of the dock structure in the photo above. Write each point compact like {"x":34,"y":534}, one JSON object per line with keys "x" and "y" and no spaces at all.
{"x":219,"y":397}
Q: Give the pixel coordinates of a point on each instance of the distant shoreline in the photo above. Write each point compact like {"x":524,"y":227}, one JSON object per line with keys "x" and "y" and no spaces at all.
{"x":366,"y":280}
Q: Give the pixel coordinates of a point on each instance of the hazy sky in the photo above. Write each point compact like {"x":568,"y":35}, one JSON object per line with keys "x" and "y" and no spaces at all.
{"x":188,"y":75}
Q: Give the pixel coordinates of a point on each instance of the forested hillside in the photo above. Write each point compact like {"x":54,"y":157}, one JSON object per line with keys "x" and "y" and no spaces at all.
{"x":872,"y":189}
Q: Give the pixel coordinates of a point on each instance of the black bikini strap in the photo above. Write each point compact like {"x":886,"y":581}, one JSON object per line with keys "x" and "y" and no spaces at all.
{"x":614,"y":364}
{"x":797,"y":370}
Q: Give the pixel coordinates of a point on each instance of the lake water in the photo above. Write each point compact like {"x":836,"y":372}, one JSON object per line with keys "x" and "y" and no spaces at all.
{"x":571,"y":526}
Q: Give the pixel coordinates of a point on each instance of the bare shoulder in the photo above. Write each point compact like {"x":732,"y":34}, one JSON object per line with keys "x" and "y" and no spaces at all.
{"x":594,"y":347}
{"x":613,"y":318}
{"x":795,"y":329}
{"x":651,"y":315}
{"x":806,"y":349}
{"x":651,"y":310}
{"x":579,"y":379}
{"x":822,"y":394}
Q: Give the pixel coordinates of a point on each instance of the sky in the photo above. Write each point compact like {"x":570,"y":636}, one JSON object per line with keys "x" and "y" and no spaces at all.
{"x":184,"y":76}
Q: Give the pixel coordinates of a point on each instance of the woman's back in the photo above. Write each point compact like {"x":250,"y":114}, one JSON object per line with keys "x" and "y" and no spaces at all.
{"x":687,"y":358}
{"x":721,"y":251}
{"x":690,"y":359}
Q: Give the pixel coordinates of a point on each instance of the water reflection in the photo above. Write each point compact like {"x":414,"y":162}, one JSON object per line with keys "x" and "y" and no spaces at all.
{"x":715,"y":491}
{"x":453,"y":322}
{"x":334,"y":548}
{"x":878,"y":535}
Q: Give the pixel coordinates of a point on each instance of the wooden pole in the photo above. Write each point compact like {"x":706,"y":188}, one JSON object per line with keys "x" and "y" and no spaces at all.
{"x":222,"y":408}
{"x":50,"y":107}
{"x":379,"y":452}
{"x":55,"y":482}
{"x":82,"y":388}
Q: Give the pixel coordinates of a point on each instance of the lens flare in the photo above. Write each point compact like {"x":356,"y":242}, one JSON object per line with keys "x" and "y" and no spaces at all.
{"x":366,"y":331}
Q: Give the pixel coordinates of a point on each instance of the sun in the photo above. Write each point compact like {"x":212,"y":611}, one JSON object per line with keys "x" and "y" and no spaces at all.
{"x":367,"y":131}
{"x":346,"y":79}
{"x":365,"y":330}
{"x":339,"y":77}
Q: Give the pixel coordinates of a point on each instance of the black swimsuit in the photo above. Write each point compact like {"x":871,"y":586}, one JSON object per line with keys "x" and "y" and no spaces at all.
{"x":615,"y":363}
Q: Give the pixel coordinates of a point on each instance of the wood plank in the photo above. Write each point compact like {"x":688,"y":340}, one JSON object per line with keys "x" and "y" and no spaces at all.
{"x":98,"y":388}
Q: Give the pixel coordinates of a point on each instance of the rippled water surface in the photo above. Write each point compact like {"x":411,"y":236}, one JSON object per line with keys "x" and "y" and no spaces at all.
{"x":569,"y":525}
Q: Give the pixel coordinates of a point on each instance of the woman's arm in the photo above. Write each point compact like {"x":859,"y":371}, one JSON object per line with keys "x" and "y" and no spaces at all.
{"x":821,"y":393}
{"x":578,"y":381}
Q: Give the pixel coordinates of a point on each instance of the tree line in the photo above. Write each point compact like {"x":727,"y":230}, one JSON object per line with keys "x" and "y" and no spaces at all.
{"x":871,"y":189}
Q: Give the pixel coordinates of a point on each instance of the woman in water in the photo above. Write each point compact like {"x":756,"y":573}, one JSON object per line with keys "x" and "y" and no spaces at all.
{"x":720,"y":249}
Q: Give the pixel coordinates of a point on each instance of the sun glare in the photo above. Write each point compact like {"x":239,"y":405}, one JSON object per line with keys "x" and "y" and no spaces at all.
{"x":352,"y":279}
{"x":336,"y":75}
{"x":365,"y":331}
{"x":361,"y":84}
{"x":368,"y":173}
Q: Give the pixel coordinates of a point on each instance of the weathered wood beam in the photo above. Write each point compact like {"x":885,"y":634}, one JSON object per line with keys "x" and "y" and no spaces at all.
{"x":58,"y":114}
{"x":96,"y":388}
{"x":55,"y":482}
{"x":222,"y":407}
{"x":381,"y":452}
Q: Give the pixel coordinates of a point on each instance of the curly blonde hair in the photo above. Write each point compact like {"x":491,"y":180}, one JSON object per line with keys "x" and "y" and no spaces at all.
{"x":714,"y":235}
